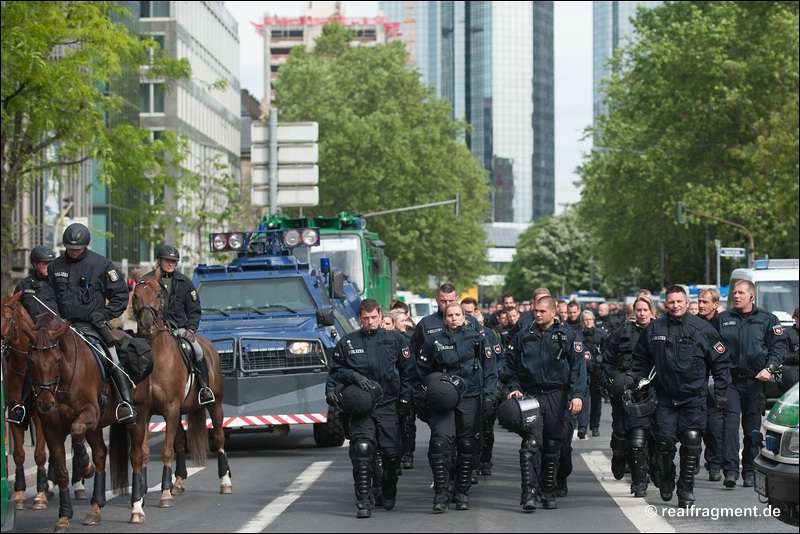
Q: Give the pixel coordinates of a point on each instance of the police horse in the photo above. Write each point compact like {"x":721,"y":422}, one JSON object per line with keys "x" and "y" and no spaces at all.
{"x":73,"y":397}
{"x":174,"y":391}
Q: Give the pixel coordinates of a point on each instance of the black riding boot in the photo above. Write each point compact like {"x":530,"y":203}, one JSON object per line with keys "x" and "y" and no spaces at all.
{"x":125,"y":412}
{"x":205,"y":396}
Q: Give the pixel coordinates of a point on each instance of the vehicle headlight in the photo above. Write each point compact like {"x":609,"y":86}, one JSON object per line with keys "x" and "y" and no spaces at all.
{"x":790,"y":443}
{"x":300,"y":347}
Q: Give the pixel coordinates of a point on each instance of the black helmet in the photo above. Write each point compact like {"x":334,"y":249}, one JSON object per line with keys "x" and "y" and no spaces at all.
{"x":444,"y":391}
{"x":617,"y":386}
{"x":41,"y":253}
{"x":639,"y":401}
{"x":168,"y":252}
{"x":357,"y":401}
{"x":76,"y":236}
{"x":518,"y":413}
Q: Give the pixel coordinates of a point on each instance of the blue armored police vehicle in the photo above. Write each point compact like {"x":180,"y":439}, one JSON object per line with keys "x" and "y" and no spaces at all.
{"x":275,"y":318}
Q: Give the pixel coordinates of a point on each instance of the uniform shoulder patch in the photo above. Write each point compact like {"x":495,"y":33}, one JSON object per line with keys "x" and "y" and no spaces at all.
{"x":778,"y":329}
{"x":406,"y":352}
{"x":719,"y":347}
{"x":488,"y":352}
{"x":193,"y":295}
{"x":577,"y":346}
{"x":498,"y":349}
{"x":587,"y":356}
{"x":112,"y":274}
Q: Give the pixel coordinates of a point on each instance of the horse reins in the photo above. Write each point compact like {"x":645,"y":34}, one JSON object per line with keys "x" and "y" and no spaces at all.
{"x":6,"y":343}
{"x":46,"y":385}
{"x":158,"y":315}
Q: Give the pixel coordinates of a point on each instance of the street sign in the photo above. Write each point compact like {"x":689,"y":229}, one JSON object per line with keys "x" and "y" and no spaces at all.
{"x":295,"y":196}
{"x":303,"y":175}
{"x":287,"y":154}
{"x":288,"y":132}
{"x":731,"y":252}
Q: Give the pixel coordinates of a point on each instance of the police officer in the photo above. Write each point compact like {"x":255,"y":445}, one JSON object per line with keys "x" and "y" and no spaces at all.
{"x":594,"y":341}
{"x":468,"y":373}
{"x":708,"y":304}
{"x":757,"y":348}
{"x":680,"y":347}
{"x":183,"y":311}
{"x":368,"y":357}
{"x":546,"y":360}
{"x":629,"y":433}
{"x":86,"y":289}
{"x":31,"y":287}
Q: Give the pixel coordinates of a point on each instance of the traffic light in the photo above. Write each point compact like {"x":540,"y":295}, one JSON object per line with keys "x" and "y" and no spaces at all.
{"x":679,"y":218}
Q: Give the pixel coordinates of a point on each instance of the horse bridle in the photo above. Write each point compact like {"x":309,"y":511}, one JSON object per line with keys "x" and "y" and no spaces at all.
{"x":157,"y":314}
{"x":45,"y":386}
{"x":6,"y":343}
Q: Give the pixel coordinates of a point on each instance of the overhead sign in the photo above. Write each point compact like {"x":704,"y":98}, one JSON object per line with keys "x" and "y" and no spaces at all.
{"x":731,"y":252}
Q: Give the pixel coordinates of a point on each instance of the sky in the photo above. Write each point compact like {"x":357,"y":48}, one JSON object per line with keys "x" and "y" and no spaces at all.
{"x":573,"y":74}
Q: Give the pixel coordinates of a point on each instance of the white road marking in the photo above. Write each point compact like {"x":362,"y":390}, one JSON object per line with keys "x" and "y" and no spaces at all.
{"x":271,"y":511}
{"x":636,"y":510}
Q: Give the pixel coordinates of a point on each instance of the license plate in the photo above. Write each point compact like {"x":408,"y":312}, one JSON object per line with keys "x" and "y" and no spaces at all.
{"x":760,"y":483}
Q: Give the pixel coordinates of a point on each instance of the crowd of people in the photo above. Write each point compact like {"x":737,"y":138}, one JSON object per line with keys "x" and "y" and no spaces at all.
{"x":677,"y":377}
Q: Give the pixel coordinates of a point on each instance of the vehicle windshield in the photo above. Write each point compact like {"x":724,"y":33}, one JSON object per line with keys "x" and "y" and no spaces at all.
{"x":778,"y":296}
{"x":259,"y":296}
{"x":345,"y":254}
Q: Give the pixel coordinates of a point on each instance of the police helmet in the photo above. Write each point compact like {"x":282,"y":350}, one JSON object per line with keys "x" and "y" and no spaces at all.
{"x":168,"y":252}
{"x":76,"y":236}
{"x":41,"y":253}
{"x":444,"y":391}
{"x":639,"y":401}
{"x":518,"y":413}
{"x":357,"y":401}
{"x":617,"y":386}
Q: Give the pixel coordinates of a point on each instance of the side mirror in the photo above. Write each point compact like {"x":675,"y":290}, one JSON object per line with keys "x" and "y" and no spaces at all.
{"x":325,"y":317}
{"x":337,"y":285}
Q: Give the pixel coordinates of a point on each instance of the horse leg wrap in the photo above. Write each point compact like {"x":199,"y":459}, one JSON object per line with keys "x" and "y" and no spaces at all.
{"x":144,"y":479}
{"x":99,"y":493}
{"x":166,"y":478}
{"x":65,"y":503}
{"x":41,"y":480}
{"x":80,"y":455}
{"x":180,"y":465}
{"x":76,"y":468}
{"x":19,"y":479}
{"x":137,"y":488}
{"x":222,"y":464}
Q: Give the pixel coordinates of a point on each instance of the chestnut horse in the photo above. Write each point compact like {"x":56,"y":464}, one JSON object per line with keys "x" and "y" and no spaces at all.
{"x":73,"y":397}
{"x":174,"y":391}
{"x":15,"y":351}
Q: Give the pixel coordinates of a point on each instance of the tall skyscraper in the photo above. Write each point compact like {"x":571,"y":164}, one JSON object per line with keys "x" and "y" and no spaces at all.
{"x":611,"y":29}
{"x":494,"y":62}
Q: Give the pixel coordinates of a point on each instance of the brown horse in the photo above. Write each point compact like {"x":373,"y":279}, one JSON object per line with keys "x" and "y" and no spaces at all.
{"x":73,"y":397}
{"x":15,"y":351}
{"x":174,"y":391}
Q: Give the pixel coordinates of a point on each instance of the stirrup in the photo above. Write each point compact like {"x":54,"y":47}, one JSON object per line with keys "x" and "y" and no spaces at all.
{"x":205,"y":396}
{"x":127,"y":419}
{"x":16,"y":415}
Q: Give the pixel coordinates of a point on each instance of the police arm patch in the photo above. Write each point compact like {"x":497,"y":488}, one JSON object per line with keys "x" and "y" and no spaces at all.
{"x":112,"y":274}
{"x":194,"y":295}
{"x":577,"y":346}
{"x":719,"y":347}
{"x":406,"y":352}
{"x":489,"y":352}
{"x":778,"y":329}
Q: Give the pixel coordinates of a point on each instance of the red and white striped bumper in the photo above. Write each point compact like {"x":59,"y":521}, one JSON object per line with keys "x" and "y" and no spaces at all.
{"x":257,"y":420}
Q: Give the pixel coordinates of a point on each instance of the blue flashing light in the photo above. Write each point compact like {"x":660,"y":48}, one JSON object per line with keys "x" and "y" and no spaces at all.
{"x":357,"y":224}
{"x":325,"y":265}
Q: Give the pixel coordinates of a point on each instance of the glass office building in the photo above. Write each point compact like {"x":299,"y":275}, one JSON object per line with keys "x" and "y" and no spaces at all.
{"x":494,"y":62}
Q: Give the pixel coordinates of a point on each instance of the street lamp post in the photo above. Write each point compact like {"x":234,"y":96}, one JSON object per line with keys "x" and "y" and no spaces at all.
{"x":679,"y":207}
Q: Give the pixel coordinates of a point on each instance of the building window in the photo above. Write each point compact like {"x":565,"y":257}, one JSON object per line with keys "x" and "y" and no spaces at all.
{"x":151,"y":98}
{"x":155,"y":9}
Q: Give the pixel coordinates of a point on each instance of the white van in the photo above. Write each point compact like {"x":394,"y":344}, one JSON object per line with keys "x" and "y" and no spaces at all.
{"x":777,"y":286}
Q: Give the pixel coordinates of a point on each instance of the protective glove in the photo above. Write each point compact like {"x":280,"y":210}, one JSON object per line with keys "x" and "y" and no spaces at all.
{"x":361,"y":381}
{"x":332,"y":399}
{"x":188,"y":335}
{"x":403,"y":408}
{"x":423,"y":412}
{"x":720,"y":401}
{"x":98,"y":319}
{"x":489,"y":408}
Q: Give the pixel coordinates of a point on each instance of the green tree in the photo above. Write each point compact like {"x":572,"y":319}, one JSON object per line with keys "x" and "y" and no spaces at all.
{"x":386,"y":142}
{"x":555,"y":253}
{"x":703,"y":111}
{"x":58,"y":59}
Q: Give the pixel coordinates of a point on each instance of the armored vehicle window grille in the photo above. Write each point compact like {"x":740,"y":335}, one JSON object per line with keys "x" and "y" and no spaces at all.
{"x":226,"y":349}
{"x":271,"y":355}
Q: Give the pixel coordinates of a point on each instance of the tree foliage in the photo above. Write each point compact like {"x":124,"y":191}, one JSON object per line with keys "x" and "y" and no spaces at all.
{"x":58,"y":59}
{"x":386,"y":142}
{"x":704,"y":111}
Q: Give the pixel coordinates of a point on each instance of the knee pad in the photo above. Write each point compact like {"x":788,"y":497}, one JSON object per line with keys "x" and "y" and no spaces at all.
{"x":552,"y":446}
{"x":664,"y":444}
{"x":529,"y":443}
{"x":439,"y":446}
{"x":361,"y":450}
{"x":637,"y":438}
{"x":466,"y":445}
{"x":691,"y":438}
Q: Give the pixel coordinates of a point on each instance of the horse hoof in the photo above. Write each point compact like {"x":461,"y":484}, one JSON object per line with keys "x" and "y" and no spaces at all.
{"x":178,"y":490}
{"x":39,"y":504}
{"x":138,"y":518}
{"x":166,"y":503}
{"x":92,"y":519}
{"x":225,"y":490}
{"x":62,"y":525}
{"x":80,"y":494}
{"x":20,"y":505}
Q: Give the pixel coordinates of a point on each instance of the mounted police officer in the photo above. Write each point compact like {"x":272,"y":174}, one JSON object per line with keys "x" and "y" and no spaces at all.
{"x":757,"y":348}
{"x":31,"y":286}
{"x":182,"y":311}
{"x":680,"y":348}
{"x":629,"y":433}
{"x":371,"y":379}
{"x":86,"y":289}
{"x":546,"y":360}
{"x":457,"y":367}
